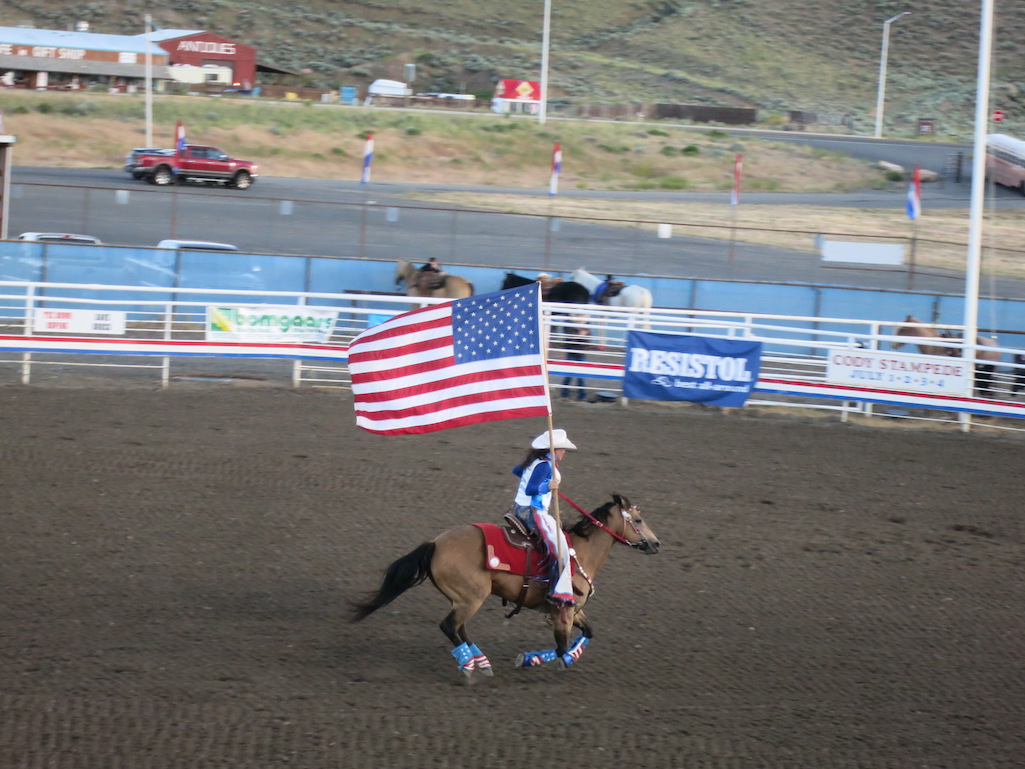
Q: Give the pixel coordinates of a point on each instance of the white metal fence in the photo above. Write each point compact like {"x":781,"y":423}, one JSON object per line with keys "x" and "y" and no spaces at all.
{"x":164,"y":332}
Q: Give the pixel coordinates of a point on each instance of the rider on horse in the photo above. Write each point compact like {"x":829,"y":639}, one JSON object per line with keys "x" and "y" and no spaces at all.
{"x":539,"y":478}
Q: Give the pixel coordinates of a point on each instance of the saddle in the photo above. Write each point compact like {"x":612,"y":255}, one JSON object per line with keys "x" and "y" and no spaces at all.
{"x":612,"y":288}
{"x":428,"y":280}
{"x":512,"y":549}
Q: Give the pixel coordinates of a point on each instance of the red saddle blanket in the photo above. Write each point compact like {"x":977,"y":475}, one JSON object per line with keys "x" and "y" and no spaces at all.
{"x":501,"y":555}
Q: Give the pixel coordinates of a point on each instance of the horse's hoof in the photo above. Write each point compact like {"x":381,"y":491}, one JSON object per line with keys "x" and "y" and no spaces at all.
{"x":488,"y":671}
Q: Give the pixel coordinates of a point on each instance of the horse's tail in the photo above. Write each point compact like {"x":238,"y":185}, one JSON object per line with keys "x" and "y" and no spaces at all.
{"x":408,"y":571}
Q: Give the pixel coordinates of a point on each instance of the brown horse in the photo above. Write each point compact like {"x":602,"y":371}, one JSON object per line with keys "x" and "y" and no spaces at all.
{"x":985,"y":359}
{"x":456,"y":562}
{"x":425,"y":283}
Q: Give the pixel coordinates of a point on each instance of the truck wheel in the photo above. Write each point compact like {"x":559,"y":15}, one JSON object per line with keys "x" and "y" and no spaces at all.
{"x":241,"y":181}
{"x":162,"y":176}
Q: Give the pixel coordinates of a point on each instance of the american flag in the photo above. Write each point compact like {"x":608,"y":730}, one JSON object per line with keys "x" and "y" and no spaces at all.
{"x":179,"y":138}
{"x":914,"y":202}
{"x":459,"y":363}
{"x":553,"y":184}
{"x":368,"y":158}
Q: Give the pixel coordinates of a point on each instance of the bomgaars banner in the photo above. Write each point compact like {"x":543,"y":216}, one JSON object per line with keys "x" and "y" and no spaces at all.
{"x":673,"y":367}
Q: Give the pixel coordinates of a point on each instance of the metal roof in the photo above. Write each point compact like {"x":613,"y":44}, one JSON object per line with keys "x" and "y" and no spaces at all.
{"x":81,"y":67}
{"x":56,"y":38}
{"x":159,"y":35}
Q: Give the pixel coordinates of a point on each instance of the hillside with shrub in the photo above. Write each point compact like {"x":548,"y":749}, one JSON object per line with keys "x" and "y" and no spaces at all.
{"x":775,"y":55}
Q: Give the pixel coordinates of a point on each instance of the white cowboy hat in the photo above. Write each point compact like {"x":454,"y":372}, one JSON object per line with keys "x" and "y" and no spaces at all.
{"x":542,"y":276}
{"x":559,"y":438}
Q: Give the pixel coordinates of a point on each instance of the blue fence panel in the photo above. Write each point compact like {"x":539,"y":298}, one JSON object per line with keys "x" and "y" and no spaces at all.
{"x":224,"y":272}
{"x":21,"y":261}
{"x":755,"y":297}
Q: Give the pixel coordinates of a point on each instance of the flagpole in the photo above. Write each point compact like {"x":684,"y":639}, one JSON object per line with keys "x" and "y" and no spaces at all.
{"x":553,"y":189}
{"x":738,"y":163}
{"x":911,"y":261}
{"x":971,"y":295}
{"x":913,"y":206}
{"x":149,"y":82}
{"x":551,"y":428}
{"x":364,"y":180}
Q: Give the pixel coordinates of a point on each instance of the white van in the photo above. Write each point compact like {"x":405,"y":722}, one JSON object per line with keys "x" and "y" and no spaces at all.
{"x":196,"y":245}
{"x":60,"y":237}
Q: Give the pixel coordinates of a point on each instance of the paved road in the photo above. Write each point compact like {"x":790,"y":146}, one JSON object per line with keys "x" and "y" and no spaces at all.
{"x":301,"y":216}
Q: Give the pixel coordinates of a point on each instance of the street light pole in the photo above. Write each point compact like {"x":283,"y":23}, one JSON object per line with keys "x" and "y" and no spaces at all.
{"x":545,"y":45}
{"x":149,"y":82}
{"x":882,"y":71}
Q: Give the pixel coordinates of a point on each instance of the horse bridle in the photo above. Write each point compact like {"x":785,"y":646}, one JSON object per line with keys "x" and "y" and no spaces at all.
{"x":627,"y":516}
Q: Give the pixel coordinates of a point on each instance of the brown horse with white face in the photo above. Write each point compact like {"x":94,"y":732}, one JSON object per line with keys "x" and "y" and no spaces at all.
{"x":428,"y":283}
{"x":986,"y":360}
{"x":456,"y":562}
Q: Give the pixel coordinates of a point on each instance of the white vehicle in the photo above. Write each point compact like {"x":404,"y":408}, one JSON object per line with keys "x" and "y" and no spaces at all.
{"x":60,"y":237}
{"x":196,"y":245}
{"x":1005,"y":161}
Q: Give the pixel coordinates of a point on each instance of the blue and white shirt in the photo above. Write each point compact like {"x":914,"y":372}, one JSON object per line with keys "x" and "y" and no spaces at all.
{"x":533,"y":490}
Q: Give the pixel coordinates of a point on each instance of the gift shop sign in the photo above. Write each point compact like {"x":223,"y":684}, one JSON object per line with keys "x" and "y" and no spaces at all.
{"x":78,"y":321}
{"x":921,"y":373}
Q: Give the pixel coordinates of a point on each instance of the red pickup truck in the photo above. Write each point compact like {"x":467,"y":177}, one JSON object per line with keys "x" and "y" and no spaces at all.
{"x":195,"y":163}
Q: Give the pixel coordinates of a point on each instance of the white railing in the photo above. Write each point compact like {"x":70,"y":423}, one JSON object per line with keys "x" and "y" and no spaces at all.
{"x":166,"y":328}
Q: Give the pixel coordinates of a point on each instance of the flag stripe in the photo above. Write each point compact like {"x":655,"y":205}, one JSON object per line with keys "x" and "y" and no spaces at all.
{"x":913,"y":206}
{"x":463,"y":362}
{"x":484,"y":382}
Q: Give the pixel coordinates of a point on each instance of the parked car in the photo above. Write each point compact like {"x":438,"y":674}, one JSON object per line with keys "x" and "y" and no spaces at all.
{"x":196,"y":245}
{"x":214,"y":273}
{"x":60,"y":237}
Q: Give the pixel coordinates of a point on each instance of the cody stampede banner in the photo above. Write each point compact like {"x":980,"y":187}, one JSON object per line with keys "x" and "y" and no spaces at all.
{"x":269,"y":323}
{"x":671,"y":367}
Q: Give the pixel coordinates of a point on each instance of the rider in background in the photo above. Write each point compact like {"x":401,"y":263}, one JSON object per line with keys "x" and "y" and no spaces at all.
{"x":431,"y":266}
{"x":598,"y":293}
{"x":539,"y":478}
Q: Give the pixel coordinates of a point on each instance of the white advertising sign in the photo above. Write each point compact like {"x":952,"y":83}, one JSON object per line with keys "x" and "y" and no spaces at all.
{"x":921,"y":373}
{"x":269,"y":323}
{"x":78,"y":321}
{"x":863,"y":253}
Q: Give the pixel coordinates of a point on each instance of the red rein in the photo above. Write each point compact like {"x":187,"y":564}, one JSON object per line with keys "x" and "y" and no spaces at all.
{"x":594,"y":520}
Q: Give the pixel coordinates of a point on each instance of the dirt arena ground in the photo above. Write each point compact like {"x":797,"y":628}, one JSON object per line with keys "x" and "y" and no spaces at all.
{"x":175,"y":567}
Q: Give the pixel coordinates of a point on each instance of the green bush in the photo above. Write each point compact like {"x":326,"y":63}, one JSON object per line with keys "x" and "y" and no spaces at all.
{"x":691,"y":149}
{"x":674,"y":183}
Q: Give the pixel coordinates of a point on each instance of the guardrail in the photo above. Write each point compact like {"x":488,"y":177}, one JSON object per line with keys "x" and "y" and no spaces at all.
{"x":66,"y":326}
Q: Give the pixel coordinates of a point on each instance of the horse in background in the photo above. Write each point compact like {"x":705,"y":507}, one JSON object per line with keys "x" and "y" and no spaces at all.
{"x":986,"y":360}
{"x":614,"y":293}
{"x":428,"y":283}
{"x":552,"y":289}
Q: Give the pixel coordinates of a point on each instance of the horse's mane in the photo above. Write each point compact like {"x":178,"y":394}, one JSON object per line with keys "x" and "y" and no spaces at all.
{"x":583,"y":527}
